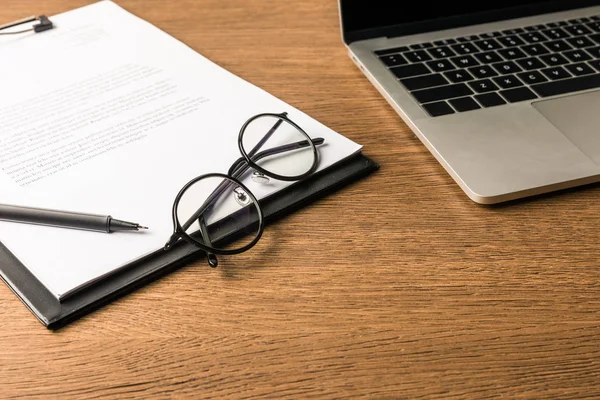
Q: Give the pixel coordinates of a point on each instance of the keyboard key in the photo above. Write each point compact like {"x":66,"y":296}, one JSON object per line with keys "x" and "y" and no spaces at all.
{"x":464,"y":61}
{"x":594,"y":26}
{"x":407,"y":71}
{"x":511,"y":41}
{"x":579,"y":20}
{"x":483,"y":71}
{"x":489,"y":35}
{"x":594,"y":51}
{"x":507,"y":67}
{"x":439,"y":108}
{"x":489,"y":57}
{"x":577,"y":30}
{"x":384,"y":52}
{"x":595,"y":38}
{"x":530,"y":63}
{"x":508,"y":82}
{"x":421,"y":46}
{"x":580,"y":42}
{"x":464,"y":48}
{"x":577,"y":55}
{"x":464,"y":104}
{"x":417,"y":56}
{"x":554,"y":59}
{"x":557,"y":24}
{"x":556,"y":73}
{"x":441,"y":52}
{"x":558,"y":45}
{"x":532,"y":28}
{"x":532,"y":77}
{"x":490,"y":100}
{"x":567,"y":85}
{"x":483,"y":86}
{"x":458,"y":76}
{"x":595,"y":18}
{"x":535,"y":49}
{"x":442,"y":93}
{"x":424,"y":81}
{"x":444,"y":42}
{"x":393,"y":60}
{"x":513,"y":31}
{"x":595,"y":64}
{"x":579,"y":69}
{"x":533,"y":37}
{"x":440,"y":65}
{"x":512,"y":54}
{"x":518,"y":94}
{"x":556,"y":33}
{"x":488,"y":44}
{"x":469,"y":38}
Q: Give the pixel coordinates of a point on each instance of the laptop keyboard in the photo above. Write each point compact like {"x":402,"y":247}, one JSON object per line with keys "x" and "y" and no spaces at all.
{"x":495,"y":68}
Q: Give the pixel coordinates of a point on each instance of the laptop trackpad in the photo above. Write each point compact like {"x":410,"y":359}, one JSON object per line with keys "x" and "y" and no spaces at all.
{"x":578,"y":118}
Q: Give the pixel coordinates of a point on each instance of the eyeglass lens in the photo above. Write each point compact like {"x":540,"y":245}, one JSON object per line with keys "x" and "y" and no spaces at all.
{"x":215,"y":208}
{"x":271,"y":142}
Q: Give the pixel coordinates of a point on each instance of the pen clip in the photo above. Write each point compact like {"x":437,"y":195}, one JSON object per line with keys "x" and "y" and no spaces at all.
{"x":44,"y":24}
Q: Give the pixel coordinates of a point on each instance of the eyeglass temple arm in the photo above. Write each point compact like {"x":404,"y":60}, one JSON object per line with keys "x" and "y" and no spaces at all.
{"x":226,"y":184}
{"x":240,"y":170}
{"x":233,"y":171}
{"x":212,"y":259}
{"x":267,"y":135}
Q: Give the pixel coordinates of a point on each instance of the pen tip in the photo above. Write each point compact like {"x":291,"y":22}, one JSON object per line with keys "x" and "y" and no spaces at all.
{"x":142,"y":227}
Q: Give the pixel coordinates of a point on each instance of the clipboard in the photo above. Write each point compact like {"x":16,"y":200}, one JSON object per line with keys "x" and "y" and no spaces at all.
{"x":55,"y":314}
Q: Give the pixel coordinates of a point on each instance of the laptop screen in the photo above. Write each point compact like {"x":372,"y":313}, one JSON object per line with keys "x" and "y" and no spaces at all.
{"x":365,"y":19}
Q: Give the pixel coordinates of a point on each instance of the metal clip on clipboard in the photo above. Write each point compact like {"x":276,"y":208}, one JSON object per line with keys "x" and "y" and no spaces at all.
{"x":44,"y":24}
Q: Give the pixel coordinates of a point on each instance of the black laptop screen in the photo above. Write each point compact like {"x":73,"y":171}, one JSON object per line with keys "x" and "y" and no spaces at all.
{"x":364,"y":19}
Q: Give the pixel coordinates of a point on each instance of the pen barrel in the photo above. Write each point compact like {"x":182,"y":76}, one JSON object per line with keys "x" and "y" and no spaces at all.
{"x":69,"y":219}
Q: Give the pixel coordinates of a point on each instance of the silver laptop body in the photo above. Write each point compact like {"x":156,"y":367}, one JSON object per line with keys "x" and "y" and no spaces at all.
{"x":506,"y":97}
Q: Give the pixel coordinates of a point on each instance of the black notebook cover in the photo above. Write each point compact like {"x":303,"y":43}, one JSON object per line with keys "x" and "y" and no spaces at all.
{"x":54,"y":314}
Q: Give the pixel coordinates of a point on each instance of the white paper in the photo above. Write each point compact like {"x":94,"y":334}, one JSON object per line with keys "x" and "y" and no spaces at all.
{"x":109,"y":115}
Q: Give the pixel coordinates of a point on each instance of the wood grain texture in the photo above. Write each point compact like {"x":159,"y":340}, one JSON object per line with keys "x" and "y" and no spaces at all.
{"x":398,"y":286}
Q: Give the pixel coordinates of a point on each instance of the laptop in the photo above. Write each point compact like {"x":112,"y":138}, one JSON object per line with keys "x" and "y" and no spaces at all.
{"x":506,"y":96}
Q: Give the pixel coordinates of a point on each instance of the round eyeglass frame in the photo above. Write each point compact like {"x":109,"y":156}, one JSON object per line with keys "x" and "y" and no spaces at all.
{"x":180,"y":232}
{"x":256,"y":167}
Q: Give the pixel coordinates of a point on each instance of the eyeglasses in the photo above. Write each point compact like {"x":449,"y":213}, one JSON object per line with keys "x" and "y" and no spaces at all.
{"x":217,"y":212}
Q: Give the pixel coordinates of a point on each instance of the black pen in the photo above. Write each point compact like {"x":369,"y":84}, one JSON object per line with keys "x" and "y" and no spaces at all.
{"x":66,"y":219}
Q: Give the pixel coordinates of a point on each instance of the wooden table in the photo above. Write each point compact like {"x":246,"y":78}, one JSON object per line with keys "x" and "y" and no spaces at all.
{"x":397,"y":286}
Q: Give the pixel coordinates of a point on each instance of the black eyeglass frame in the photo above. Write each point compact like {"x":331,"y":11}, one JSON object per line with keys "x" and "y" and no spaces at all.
{"x":179,"y":230}
{"x":252,"y":164}
{"x":238,"y":168}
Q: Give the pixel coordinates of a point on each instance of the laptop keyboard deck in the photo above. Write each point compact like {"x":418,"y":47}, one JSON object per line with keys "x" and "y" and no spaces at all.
{"x":495,"y":68}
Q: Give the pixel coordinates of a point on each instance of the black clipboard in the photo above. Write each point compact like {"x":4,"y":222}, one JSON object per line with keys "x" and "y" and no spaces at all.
{"x":55,"y":314}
